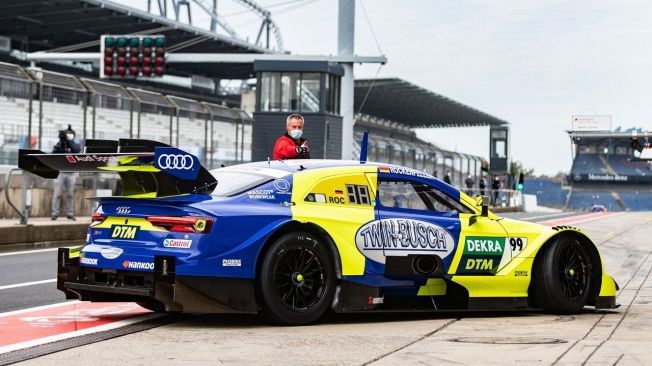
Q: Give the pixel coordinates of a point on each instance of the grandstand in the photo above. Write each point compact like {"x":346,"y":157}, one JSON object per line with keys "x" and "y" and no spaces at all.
{"x":41,"y":97}
{"x":47,"y":102}
{"x":607,"y":170}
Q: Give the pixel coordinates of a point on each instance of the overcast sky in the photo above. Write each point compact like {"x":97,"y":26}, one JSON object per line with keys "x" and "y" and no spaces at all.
{"x":531,"y":63}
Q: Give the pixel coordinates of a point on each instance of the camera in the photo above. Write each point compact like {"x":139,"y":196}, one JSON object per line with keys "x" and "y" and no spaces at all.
{"x":64,"y":145}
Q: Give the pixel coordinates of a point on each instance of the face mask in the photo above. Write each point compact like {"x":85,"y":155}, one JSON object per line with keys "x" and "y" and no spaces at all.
{"x":70,"y":136}
{"x":296,"y":134}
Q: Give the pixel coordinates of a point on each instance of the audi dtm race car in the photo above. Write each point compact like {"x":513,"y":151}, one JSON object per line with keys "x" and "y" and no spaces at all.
{"x":291,"y":239}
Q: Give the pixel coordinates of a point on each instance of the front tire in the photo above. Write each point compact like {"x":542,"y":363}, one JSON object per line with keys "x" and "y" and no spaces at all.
{"x":563,"y":277}
{"x":296,"y":280}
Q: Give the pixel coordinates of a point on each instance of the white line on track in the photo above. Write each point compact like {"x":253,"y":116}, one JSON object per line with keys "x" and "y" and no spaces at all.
{"x":547,"y":215}
{"x":29,"y":251}
{"x":42,"y":307}
{"x":27,"y":284}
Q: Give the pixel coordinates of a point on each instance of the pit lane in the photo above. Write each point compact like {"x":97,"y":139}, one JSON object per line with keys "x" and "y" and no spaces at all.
{"x":595,"y":337}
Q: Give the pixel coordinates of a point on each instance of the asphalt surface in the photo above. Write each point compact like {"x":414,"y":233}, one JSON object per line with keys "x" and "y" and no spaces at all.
{"x":23,"y":268}
{"x":614,"y":337}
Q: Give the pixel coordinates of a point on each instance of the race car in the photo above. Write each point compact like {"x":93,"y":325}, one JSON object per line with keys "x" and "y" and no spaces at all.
{"x":292,"y":239}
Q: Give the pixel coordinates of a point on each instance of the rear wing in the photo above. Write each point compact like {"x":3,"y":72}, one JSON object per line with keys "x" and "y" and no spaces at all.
{"x":145,"y":167}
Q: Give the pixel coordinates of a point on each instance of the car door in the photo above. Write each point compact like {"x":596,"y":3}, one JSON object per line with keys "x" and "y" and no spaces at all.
{"x":415,"y":218}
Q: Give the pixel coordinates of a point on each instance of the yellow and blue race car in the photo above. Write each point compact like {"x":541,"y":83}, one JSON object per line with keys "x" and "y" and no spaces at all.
{"x":292,"y":239}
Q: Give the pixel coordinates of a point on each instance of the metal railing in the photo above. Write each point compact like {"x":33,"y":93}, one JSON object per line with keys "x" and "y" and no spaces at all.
{"x":26,"y":192}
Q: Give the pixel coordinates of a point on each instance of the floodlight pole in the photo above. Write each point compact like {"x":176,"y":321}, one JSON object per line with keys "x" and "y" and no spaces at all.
{"x":345,"y":47}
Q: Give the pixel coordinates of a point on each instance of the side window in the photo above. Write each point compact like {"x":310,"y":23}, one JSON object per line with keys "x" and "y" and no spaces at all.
{"x":417,"y":196}
{"x":400,"y":194}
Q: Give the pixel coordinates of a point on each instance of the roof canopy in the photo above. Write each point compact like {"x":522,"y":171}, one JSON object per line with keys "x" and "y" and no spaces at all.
{"x":76,"y":26}
{"x":400,"y":101}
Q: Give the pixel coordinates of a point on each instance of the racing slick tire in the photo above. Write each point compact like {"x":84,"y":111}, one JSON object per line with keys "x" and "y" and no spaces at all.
{"x":562,"y":277}
{"x":297,"y":280}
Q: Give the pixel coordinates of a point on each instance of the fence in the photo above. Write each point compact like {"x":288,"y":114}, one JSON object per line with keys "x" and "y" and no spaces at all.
{"x":36,"y":104}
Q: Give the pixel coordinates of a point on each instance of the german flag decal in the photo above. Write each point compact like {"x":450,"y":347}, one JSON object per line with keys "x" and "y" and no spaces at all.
{"x":383,"y":169}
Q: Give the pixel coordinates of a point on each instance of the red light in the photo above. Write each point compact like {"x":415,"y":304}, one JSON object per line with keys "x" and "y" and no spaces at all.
{"x":108,"y":60}
{"x":122,"y":61}
{"x":133,"y":61}
{"x":133,"y":70}
{"x":159,"y":61}
{"x":121,"y":70}
{"x":147,"y":60}
{"x":187,"y":224}
{"x":147,"y":70}
{"x":108,"y":70}
{"x":96,"y":217}
{"x":159,"y":70}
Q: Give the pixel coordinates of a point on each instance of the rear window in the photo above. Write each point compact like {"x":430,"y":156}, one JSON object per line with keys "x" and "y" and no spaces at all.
{"x":230,"y":183}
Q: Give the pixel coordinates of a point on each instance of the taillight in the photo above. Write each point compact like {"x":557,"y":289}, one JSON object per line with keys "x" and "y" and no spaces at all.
{"x":97,"y":218}
{"x":186,"y":224}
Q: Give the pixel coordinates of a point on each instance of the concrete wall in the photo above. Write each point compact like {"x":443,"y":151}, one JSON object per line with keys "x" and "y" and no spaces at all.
{"x":42,"y":202}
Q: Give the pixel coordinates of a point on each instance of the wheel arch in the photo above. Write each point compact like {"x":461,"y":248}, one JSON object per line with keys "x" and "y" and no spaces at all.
{"x":310,"y":228}
{"x":587,"y":244}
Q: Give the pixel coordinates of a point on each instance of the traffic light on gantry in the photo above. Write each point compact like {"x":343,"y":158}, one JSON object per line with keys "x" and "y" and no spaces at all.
{"x":131,"y":56}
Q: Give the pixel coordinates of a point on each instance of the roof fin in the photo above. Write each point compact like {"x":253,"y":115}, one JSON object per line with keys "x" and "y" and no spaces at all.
{"x":363,"y":147}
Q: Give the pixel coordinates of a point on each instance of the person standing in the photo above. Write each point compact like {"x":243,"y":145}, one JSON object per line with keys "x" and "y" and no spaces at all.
{"x":447,"y":177}
{"x":65,"y":180}
{"x":468,"y":182}
{"x":482,"y":185}
{"x":291,"y":145}
{"x":495,"y":186}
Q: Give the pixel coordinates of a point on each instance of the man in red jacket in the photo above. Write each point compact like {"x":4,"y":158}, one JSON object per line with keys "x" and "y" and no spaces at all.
{"x":290,"y":145}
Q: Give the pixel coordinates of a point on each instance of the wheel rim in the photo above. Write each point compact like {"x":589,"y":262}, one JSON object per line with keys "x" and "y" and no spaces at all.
{"x":574,"y":272}
{"x":300,"y":279}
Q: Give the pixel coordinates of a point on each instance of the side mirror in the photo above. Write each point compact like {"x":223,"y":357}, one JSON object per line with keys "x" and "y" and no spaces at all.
{"x":483,"y":203}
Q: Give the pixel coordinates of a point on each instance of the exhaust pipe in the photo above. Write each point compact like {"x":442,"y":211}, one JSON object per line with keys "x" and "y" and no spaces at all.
{"x":424,"y":264}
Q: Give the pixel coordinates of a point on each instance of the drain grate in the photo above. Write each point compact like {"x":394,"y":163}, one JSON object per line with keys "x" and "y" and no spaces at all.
{"x":508,"y":340}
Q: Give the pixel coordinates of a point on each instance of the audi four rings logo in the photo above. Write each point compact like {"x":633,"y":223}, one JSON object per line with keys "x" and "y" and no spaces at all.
{"x":123,"y":210}
{"x":174,"y":161}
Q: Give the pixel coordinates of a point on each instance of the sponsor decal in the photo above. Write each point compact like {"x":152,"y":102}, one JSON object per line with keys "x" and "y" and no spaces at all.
{"x":176,"y":162}
{"x":88,"y":261}
{"x":71,"y":159}
{"x":375,"y":300}
{"x":138,"y":265}
{"x":110,"y":252}
{"x":607,"y":177}
{"x":261,"y":194}
{"x":401,"y":237}
{"x":231,"y":262}
{"x":282,"y":186}
{"x":123,"y":210}
{"x":405,"y":171}
{"x":336,"y":200}
{"x":177,"y":243}
{"x":95,"y":158}
{"x":124,"y":231}
{"x":488,"y":254}
{"x":520,"y":273}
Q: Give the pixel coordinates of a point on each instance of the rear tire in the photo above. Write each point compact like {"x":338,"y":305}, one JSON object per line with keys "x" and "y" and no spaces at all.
{"x":563,"y":277}
{"x":296,"y":280}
